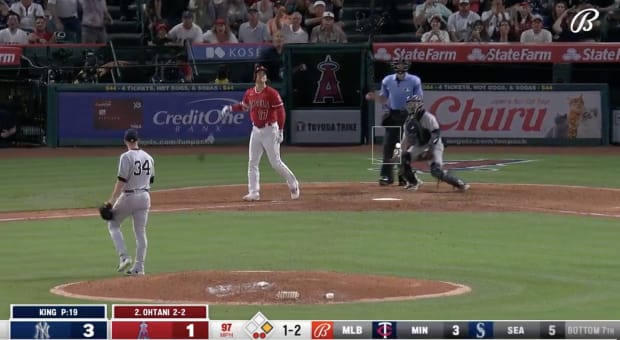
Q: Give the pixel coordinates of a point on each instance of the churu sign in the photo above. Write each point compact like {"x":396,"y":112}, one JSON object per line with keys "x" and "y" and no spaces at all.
{"x":515,"y":113}
{"x":502,"y":53}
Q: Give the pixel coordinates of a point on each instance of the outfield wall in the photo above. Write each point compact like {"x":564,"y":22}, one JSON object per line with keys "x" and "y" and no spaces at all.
{"x":323,"y":87}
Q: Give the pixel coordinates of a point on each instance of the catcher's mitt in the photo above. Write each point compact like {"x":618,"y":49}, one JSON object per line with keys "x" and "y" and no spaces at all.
{"x":105,"y":211}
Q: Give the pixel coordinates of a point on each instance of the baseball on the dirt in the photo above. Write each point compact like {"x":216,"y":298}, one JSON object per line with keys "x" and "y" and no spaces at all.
{"x":329,"y":296}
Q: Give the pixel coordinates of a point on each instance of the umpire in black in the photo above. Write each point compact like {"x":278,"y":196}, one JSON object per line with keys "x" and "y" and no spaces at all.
{"x":395,"y":88}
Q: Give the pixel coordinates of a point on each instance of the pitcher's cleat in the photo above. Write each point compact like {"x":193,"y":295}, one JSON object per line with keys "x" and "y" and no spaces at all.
{"x":134,"y":272}
{"x":295,"y":193}
{"x":251,"y":197}
{"x":124,"y":264}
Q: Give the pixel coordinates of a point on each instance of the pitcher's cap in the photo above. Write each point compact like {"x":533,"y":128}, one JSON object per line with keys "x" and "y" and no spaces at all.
{"x":131,"y":135}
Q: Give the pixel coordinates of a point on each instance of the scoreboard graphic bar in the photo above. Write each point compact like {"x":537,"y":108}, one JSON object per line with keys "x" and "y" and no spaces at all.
{"x":191,"y":321}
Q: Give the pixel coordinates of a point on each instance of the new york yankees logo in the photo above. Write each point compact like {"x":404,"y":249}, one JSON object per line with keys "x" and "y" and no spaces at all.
{"x":328,"y":86}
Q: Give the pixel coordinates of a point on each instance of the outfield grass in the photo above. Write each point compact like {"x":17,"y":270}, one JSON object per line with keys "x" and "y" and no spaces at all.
{"x":520,"y":266}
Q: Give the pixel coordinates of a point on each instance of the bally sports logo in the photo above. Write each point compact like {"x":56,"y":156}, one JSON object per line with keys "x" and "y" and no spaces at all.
{"x":322,"y":329}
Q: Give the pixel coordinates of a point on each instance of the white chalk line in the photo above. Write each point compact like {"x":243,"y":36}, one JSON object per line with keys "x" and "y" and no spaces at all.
{"x":242,"y":205}
{"x":162,"y":210}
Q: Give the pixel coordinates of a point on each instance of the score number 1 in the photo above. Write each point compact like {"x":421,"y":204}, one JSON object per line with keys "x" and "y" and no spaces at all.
{"x":295,"y":330}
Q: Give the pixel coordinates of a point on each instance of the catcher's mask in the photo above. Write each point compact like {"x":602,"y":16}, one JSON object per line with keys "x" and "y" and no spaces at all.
{"x":401,"y":66}
{"x":257,"y":72}
{"x":414,"y":104}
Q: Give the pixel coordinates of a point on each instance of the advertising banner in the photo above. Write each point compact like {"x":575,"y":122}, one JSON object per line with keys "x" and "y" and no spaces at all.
{"x":228,"y":52}
{"x":326,"y":126}
{"x":499,"y":53}
{"x":515,"y":113}
{"x":10,"y":55}
{"x":163,"y":118}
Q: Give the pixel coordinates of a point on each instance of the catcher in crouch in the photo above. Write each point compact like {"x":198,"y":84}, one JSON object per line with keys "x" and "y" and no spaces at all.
{"x":422,"y":142}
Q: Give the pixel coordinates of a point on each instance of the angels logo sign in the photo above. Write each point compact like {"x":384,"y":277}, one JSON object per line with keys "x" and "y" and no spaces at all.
{"x":328,"y":86}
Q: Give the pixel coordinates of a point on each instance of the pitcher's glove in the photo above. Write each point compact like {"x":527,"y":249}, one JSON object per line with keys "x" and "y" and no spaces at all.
{"x":105,"y":211}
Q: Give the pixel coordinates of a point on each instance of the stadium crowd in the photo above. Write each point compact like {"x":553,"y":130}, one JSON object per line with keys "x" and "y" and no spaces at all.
{"x":303,"y":21}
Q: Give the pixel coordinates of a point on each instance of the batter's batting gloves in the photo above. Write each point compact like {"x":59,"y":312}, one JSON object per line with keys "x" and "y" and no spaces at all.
{"x":225,"y":111}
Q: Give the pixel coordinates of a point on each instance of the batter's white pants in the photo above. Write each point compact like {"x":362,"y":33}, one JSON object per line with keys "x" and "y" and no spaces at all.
{"x":266,"y":139}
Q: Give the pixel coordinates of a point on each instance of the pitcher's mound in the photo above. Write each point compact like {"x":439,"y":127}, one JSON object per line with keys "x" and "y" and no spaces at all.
{"x":259,"y":287}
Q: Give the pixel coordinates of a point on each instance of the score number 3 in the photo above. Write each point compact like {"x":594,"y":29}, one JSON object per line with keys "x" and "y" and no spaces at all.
{"x":89,"y":330}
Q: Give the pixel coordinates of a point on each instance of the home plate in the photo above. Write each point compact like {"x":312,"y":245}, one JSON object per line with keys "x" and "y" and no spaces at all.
{"x":386,"y":199}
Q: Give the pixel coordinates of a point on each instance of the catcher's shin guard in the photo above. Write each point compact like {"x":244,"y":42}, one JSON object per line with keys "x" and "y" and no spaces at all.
{"x":405,"y":169}
{"x":443,"y":175}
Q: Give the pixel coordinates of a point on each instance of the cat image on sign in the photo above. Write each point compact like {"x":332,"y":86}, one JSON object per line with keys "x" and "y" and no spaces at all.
{"x":560,"y":129}
{"x":576,"y":108}
{"x":590,"y":125}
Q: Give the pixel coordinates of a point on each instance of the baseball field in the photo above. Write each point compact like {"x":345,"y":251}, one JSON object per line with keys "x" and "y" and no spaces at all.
{"x":536,"y":237}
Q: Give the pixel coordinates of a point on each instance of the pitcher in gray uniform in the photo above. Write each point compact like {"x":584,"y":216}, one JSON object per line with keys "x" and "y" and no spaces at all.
{"x":136,"y":172}
{"x":422,"y":141}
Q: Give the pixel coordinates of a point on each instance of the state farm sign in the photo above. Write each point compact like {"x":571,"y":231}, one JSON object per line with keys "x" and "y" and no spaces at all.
{"x":499,"y":53}
{"x":10,"y":56}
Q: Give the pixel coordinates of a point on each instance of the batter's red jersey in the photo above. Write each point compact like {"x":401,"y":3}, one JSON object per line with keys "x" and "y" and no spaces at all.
{"x":266,"y":106}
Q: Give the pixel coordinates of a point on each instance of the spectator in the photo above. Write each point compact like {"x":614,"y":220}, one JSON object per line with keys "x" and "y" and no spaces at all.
{"x":219,"y":34}
{"x":279,"y":20}
{"x":460,"y":23}
{"x":4,"y":14}
{"x":536,"y":34}
{"x":334,"y":6}
{"x":253,"y":31}
{"x":428,"y":9}
{"x":521,"y":17}
{"x":436,"y":34}
{"x":13,"y":34}
{"x":208,"y":11}
{"x":273,"y":57}
{"x":294,"y":33}
{"x":505,"y":33}
{"x":316,"y":15}
{"x":186,"y":30}
{"x":265,"y":10}
{"x":41,"y":35}
{"x":479,"y":33}
{"x":65,"y":16}
{"x":327,"y":32}
{"x":494,"y":16}
{"x":161,"y":36}
{"x":94,"y":17}
{"x":237,"y":14}
{"x":557,"y":11}
{"x":222,"y":75}
{"x":28,"y":12}
{"x":474,"y":5}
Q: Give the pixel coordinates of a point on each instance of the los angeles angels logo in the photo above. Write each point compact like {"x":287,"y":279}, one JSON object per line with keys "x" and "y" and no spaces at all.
{"x":328,"y":86}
